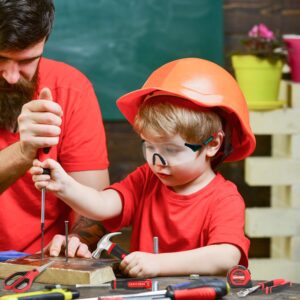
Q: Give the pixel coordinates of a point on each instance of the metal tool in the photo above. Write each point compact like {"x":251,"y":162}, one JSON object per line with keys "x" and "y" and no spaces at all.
{"x":67,"y":239}
{"x":127,"y":284}
{"x":111,"y":248}
{"x":22,"y":281}
{"x":155,"y":245}
{"x":239,"y":276}
{"x":267,"y":286}
{"x":43,"y":201}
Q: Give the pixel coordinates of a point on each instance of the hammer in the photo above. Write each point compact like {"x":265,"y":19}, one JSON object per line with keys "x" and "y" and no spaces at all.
{"x":111,"y":248}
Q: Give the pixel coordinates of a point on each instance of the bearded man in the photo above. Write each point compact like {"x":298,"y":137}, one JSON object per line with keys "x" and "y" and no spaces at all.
{"x":43,"y":104}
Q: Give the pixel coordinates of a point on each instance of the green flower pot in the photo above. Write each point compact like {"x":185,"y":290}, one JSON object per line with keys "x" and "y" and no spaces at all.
{"x":258,"y":78}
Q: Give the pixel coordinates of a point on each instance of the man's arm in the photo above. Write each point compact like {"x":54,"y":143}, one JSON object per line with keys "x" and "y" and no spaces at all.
{"x":13,"y":164}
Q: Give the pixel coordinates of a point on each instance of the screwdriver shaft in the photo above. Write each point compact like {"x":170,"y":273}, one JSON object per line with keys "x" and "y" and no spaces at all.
{"x":43,"y":220}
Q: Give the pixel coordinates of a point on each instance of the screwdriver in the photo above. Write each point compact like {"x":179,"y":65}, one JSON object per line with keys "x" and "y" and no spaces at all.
{"x":207,"y":293}
{"x":45,"y":171}
{"x":127,"y":284}
{"x":201,"y":282}
{"x":205,"y":288}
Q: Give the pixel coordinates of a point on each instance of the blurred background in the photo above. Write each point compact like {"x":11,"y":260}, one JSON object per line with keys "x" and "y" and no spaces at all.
{"x":117,"y":43}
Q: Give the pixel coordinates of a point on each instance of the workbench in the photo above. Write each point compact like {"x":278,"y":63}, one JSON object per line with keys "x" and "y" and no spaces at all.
{"x":292,"y":293}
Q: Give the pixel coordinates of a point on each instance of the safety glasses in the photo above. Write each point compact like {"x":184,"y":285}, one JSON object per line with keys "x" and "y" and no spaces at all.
{"x":172,"y":154}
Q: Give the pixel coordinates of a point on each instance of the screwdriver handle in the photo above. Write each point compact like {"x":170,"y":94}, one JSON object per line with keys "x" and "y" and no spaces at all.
{"x":131,"y":284}
{"x":207,"y":293}
{"x":42,"y":155}
{"x":201,"y":282}
{"x":117,"y":251}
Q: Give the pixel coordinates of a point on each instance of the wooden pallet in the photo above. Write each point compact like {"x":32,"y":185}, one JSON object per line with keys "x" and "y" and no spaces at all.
{"x":75,"y":271}
{"x":281,"y":171}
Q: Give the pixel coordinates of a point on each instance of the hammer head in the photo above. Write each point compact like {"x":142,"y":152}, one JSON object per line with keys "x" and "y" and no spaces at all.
{"x":104,"y":244}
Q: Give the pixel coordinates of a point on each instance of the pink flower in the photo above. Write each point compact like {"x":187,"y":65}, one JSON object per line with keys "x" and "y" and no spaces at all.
{"x":261,"y":31}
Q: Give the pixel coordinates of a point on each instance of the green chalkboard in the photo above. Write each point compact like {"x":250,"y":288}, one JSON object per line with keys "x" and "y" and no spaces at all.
{"x":118,"y":43}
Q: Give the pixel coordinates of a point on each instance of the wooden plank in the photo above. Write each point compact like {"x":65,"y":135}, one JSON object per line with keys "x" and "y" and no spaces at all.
{"x":267,"y":269}
{"x":262,"y":171}
{"x":283,"y":90}
{"x":281,"y":145}
{"x":295,"y":94}
{"x":280,"y":121}
{"x":272,"y":222}
{"x":295,"y":196}
{"x":280,"y":247}
{"x":280,"y":195}
{"x":76,"y":270}
{"x":295,"y":246}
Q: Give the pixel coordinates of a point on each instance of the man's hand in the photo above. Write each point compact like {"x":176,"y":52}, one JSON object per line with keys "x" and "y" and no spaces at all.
{"x":140,"y":264}
{"x":39,"y":124}
{"x":75,"y":247}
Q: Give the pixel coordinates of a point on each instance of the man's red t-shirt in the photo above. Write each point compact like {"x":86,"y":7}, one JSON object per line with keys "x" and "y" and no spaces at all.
{"x":213,"y":215}
{"x":82,"y":146}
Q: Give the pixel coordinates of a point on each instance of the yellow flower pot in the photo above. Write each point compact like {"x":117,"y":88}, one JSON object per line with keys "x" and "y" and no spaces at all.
{"x":259,"y":80}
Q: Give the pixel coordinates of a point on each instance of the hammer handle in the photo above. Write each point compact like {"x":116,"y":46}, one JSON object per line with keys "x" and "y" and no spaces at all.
{"x":117,"y":251}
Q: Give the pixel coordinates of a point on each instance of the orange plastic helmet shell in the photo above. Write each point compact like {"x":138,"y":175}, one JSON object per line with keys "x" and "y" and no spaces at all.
{"x":205,"y":84}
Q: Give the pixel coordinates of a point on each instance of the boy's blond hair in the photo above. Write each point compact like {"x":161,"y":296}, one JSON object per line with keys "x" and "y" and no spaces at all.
{"x":165,"y":116}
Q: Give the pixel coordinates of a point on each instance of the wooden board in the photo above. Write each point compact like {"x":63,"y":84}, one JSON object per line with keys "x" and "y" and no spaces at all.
{"x":75,"y":271}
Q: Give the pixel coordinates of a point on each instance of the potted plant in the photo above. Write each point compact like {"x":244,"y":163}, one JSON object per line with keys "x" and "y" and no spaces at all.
{"x":258,"y":68}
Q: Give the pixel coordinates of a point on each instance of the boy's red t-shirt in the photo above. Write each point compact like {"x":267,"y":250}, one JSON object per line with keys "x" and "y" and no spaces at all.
{"x":82,"y":146}
{"x":213,"y":215}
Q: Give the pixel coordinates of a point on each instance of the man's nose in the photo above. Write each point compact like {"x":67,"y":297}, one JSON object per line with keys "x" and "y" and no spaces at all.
{"x":11,"y":72}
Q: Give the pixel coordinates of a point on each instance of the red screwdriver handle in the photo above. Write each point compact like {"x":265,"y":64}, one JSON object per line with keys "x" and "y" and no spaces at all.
{"x":207,"y":293}
{"x":131,"y":284}
{"x":117,"y":251}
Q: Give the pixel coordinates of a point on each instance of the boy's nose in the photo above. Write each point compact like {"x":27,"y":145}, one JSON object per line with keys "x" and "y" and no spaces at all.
{"x":158,"y":160}
{"x":11,"y":72}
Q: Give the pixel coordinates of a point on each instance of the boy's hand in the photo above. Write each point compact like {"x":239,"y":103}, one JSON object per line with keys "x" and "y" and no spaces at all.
{"x":54,"y":182}
{"x":140,"y":264}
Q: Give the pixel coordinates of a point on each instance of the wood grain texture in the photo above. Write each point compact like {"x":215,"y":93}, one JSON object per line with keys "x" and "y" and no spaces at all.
{"x":75,"y":271}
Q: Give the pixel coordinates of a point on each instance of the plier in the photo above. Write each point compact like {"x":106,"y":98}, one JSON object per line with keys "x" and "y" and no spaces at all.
{"x":267,"y":287}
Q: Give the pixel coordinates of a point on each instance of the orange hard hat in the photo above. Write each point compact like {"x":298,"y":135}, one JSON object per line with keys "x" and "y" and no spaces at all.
{"x":207,"y":85}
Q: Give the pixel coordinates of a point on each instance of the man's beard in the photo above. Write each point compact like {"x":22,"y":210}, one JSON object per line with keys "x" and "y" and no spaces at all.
{"x":12,"y":98}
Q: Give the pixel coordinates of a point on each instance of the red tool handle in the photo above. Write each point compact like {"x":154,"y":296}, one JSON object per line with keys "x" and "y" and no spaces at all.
{"x":131,"y":284}
{"x":273,"y":282}
{"x":117,"y":251}
{"x":20,"y":281}
{"x":207,"y":293}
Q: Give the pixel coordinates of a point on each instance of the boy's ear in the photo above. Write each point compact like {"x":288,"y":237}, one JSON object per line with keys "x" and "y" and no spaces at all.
{"x":214,"y":146}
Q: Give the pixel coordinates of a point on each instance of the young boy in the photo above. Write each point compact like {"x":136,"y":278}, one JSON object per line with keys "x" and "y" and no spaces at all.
{"x":190,"y":115}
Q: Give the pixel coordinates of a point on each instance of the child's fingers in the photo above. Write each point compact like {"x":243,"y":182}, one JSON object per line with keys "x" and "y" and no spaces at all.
{"x":36,"y":170}
{"x":37,"y":163}
{"x":41,"y":184}
{"x":41,"y":177}
{"x":50,"y":163}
